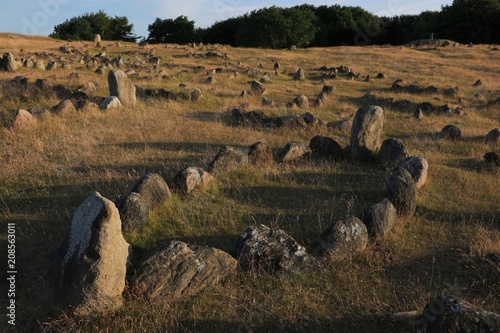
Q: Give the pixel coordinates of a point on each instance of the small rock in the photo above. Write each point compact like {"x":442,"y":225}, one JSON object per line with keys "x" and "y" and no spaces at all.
{"x":260,"y":153}
{"x":153,"y":189}
{"x":293,"y":151}
{"x":325,"y":147}
{"x":493,"y":136}
{"x":227,"y":159}
{"x":342,"y":239}
{"x":380,"y":218}
{"x":451,"y":132}
{"x":111,"y":102}
{"x":418,"y":168}
{"x":190,"y":179}
{"x":22,"y":120}
{"x":64,"y":107}
{"x":299,"y":75}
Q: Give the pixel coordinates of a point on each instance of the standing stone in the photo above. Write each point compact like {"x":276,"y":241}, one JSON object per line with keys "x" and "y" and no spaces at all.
{"x":451,"y":132}
{"x":299,"y":75}
{"x":97,"y":39}
{"x":88,"y":88}
{"x":392,"y":152}
{"x":302,"y":101}
{"x":153,"y":189}
{"x":22,"y":120}
{"x":178,"y":269}
{"x":402,"y":191}
{"x":122,"y":87}
{"x":191,"y":178}
{"x":196,"y":95}
{"x":257,"y":88}
{"x":110,"y":103}
{"x":366,"y":131}
{"x":88,"y":269}
{"x":325,"y":147}
{"x":493,"y":135}
{"x":260,"y":153}
{"x":418,"y":168}
{"x":342,"y":239}
{"x":271,"y":250}
{"x":293,"y":151}
{"x":447,"y":314}
{"x":380,"y":218}
{"x":8,"y":63}
{"x":64,"y":107}
{"x":134,"y":211}
{"x":227,"y":159}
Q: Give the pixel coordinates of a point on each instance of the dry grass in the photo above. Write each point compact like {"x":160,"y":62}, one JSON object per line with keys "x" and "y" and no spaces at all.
{"x":48,"y":170}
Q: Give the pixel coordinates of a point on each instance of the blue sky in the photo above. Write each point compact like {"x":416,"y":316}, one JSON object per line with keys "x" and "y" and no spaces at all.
{"x":40,"y":16}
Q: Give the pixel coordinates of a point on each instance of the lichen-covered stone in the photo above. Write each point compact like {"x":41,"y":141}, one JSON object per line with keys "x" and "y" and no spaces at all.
{"x":293,"y":151}
{"x":418,"y":167}
{"x":191,"y":178}
{"x":366,"y":132}
{"x":402,"y":191}
{"x":380,"y":218}
{"x":88,"y":270}
{"x":342,"y":239}
{"x":271,"y":250}
{"x":392,"y":152}
{"x":227,"y":159}
{"x":178,"y":269}
{"x":448,"y":314}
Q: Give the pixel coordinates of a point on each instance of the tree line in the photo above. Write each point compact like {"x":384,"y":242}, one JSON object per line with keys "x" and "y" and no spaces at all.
{"x":464,"y":21}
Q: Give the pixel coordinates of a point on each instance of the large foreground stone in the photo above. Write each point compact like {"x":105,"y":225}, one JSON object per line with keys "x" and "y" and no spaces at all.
{"x":178,"y":269}
{"x":402,"y":191}
{"x":88,"y":269}
{"x":366,"y":132}
{"x":447,"y":314}
{"x":122,"y":87}
{"x":272,"y":251}
{"x":342,"y":239}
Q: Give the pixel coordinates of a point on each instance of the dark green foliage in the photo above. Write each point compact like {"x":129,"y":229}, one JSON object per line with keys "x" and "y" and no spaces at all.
{"x":306,"y":25}
{"x":277,"y":27}
{"x":180,"y":31}
{"x":471,"y":21}
{"x":345,"y":26}
{"x":86,"y":26}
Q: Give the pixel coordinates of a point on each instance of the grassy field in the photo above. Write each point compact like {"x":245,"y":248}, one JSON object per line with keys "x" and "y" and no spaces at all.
{"x":47,"y":171}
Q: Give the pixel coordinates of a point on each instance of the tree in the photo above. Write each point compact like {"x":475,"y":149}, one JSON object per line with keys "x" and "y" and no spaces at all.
{"x":341,"y":25}
{"x":180,"y":31}
{"x":86,"y":26}
{"x":277,"y":27}
{"x":471,"y":21}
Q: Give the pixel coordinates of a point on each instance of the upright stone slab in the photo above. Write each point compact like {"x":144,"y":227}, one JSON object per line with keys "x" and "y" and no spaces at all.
{"x":22,"y":120}
{"x":88,"y":270}
{"x":366,"y":132}
{"x":402,"y":191}
{"x":122,"y":87}
{"x":8,"y":63}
